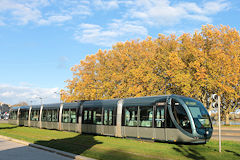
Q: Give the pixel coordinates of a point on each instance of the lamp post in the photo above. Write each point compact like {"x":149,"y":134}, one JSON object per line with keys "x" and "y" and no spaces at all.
{"x":96,"y":94}
{"x":41,"y":99}
{"x":166,"y":78}
{"x":60,"y":96}
{"x":31,"y":101}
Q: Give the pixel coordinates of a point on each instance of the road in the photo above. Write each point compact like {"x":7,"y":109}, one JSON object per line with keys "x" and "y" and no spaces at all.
{"x":227,"y":134}
{"x":3,"y":121}
{"x":10,"y":150}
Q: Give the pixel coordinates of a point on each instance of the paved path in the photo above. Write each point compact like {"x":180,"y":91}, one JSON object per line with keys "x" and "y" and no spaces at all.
{"x":227,"y":134}
{"x":14,"y":151}
{"x":3,"y":121}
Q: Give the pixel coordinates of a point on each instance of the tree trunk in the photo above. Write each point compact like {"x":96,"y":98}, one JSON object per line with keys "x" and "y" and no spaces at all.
{"x":227,"y":119}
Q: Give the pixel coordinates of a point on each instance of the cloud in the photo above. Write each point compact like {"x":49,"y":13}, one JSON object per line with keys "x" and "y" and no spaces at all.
{"x":165,"y":13}
{"x":22,"y":12}
{"x":55,"y":19}
{"x":41,"y":12}
{"x":179,"y":32}
{"x":213,"y":7}
{"x":2,"y":23}
{"x":134,"y":16}
{"x":80,"y":9}
{"x":151,"y":12}
{"x":106,"y":5}
{"x":112,"y":33}
{"x":12,"y":94}
{"x":139,"y":15}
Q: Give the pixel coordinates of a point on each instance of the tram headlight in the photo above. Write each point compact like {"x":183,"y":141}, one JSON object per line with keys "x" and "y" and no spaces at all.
{"x":207,"y":132}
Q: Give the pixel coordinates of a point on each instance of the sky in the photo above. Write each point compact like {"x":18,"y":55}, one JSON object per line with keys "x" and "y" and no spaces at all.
{"x":40,"y":40}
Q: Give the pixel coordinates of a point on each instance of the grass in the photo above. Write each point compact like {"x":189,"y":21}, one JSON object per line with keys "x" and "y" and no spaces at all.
{"x":108,"y":148}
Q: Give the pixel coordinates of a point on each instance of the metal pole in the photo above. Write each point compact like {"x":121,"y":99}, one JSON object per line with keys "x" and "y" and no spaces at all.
{"x":60,"y":95}
{"x":41,"y":100}
{"x":219,"y":123}
{"x":165,"y":85}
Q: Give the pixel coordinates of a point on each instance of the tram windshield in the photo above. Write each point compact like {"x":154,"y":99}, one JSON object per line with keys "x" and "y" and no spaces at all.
{"x":199,"y":113}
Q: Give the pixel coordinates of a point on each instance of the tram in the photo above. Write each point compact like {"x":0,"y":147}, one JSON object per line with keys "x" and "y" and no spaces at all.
{"x":168,"y":118}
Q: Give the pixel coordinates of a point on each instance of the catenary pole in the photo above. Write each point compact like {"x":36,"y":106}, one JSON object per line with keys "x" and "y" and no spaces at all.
{"x":219,"y":123}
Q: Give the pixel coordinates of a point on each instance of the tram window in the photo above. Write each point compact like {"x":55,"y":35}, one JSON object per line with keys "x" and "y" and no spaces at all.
{"x":169,"y":123}
{"x":44,"y":115}
{"x":146,"y":115}
{"x":97,"y":116}
{"x":110,"y":122}
{"x":13,"y":115}
{"x":130,"y":116}
{"x":181,"y":116}
{"x":35,"y":115}
{"x":23,"y":115}
{"x":65,"y":116}
{"x":55,"y":115}
{"x":86,"y":116}
{"x":90,"y":121}
{"x":105,"y":122}
{"x":92,"y":116}
{"x":112,"y":116}
{"x":160,"y":115}
{"x":26,"y":115}
{"x":108,"y":116}
{"x":73,"y":117}
{"x":49,"y":115}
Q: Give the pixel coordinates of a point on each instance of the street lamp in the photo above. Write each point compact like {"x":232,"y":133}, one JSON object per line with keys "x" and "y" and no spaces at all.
{"x":31,"y":101}
{"x":41,"y":98}
{"x":166,"y":78}
{"x":60,"y":94}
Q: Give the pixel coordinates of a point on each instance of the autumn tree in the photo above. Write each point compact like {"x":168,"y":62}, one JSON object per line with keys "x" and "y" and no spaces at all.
{"x":222,"y":46}
{"x":196,"y":65}
{"x":212,"y":59}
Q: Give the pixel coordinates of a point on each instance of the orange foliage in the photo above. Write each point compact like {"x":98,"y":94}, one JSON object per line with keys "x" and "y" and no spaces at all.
{"x":194,"y":65}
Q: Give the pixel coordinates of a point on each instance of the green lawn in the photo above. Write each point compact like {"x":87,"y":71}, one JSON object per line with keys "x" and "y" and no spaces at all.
{"x":109,"y":148}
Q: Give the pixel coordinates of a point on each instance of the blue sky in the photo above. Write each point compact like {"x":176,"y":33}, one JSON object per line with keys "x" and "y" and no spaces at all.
{"x":40,"y":40}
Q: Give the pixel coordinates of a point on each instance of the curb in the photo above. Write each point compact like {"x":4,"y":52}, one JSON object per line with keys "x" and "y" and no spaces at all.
{"x":62,"y":153}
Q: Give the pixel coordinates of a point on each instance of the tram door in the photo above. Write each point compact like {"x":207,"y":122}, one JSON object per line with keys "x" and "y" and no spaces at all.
{"x":160,"y":120}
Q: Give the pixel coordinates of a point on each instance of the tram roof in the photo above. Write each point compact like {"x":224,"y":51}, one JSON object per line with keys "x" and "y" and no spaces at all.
{"x":51,"y":106}
{"x":142,"y":101}
{"x":14,"y":108}
{"x":101,"y":103}
{"x":36,"y":107}
{"x":71,"y":105}
{"x":24,"y":107}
